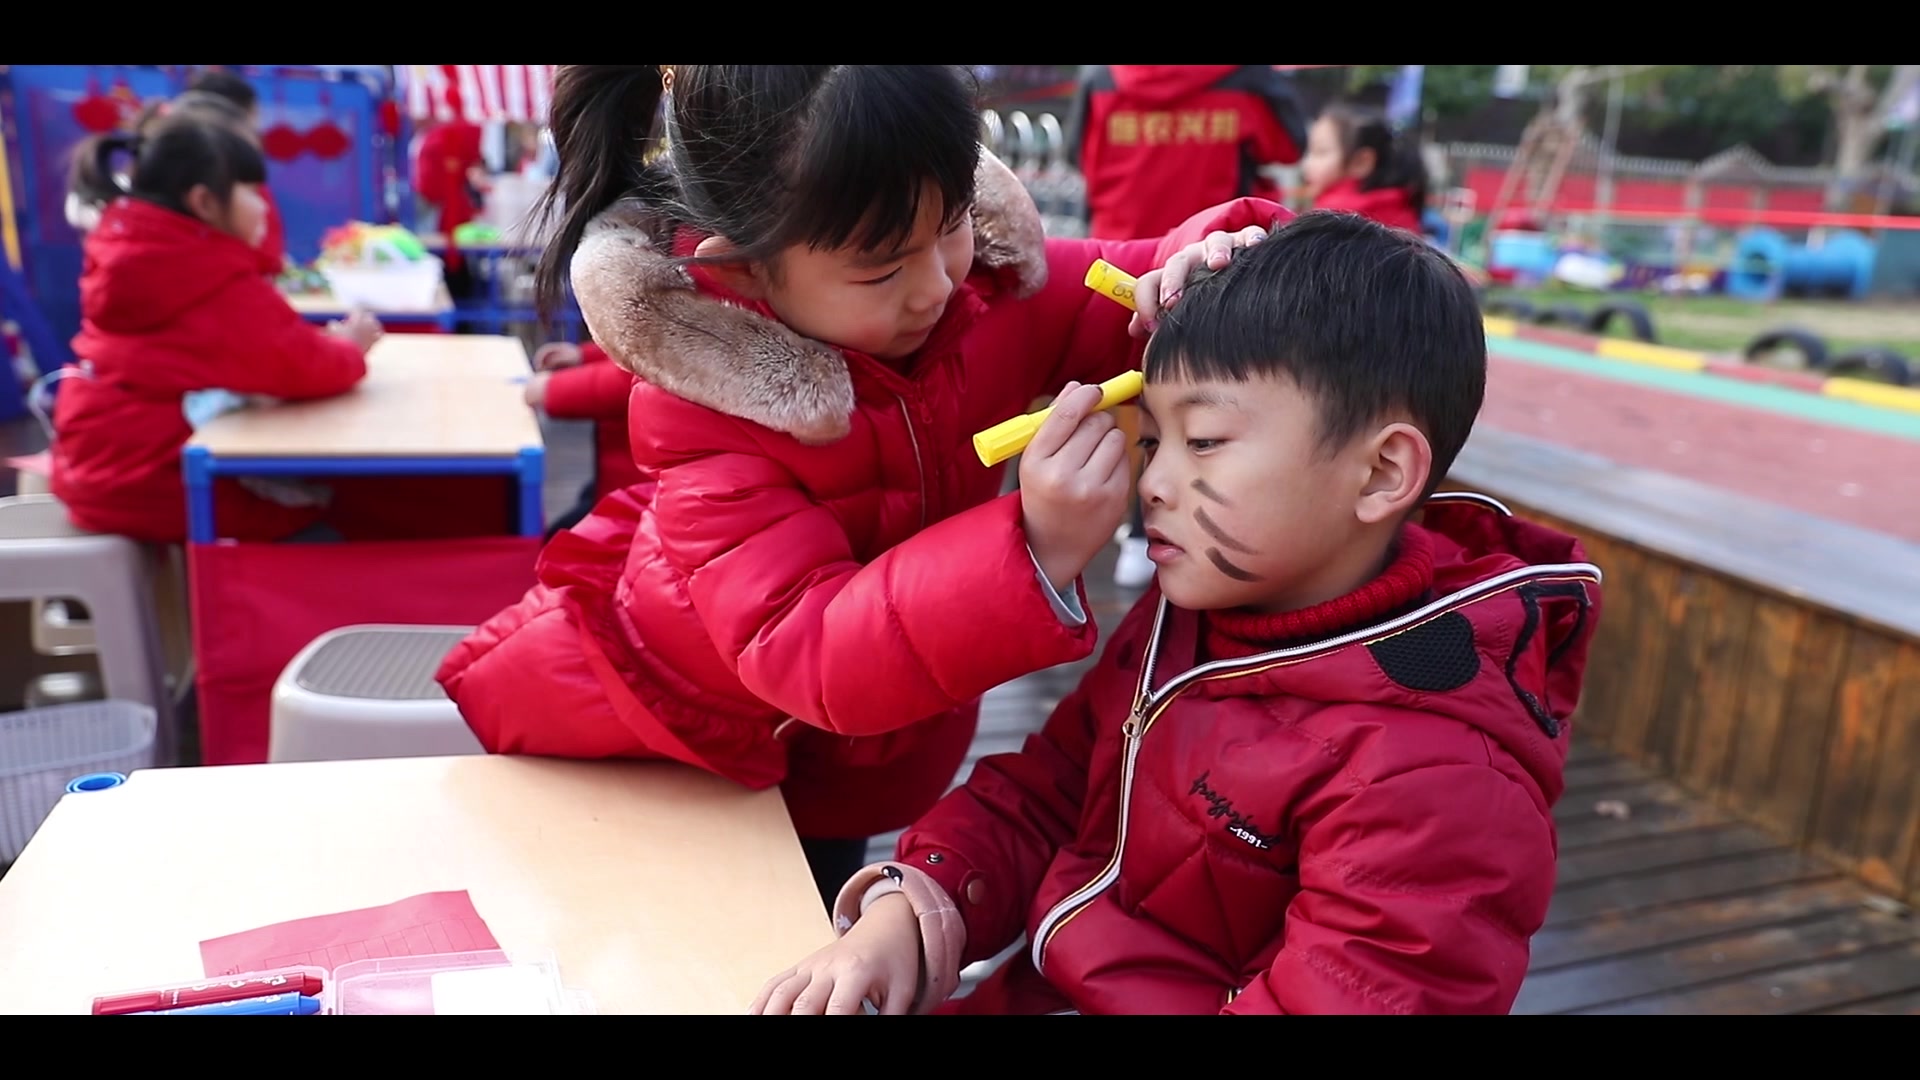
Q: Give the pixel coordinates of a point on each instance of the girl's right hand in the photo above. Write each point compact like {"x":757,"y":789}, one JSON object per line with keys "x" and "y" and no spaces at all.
{"x":877,"y":960}
{"x":555,"y":355}
{"x":1075,"y":479}
{"x":1159,"y":290}
{"x":360,"y":327}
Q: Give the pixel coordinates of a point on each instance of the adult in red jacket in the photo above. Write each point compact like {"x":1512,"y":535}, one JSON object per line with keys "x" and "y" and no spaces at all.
{"x":444,"y":168}
{"x":172,"y":301}
{"x":1356,"y":162}
{"x":580,"y":382}
{"x":1160,"y":142}
{"x":790,"y":594}
{"x":1254,"y":840}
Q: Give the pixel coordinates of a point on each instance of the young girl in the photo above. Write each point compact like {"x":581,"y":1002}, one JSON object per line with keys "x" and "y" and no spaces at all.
{"x":1354,"y":162}
{"x":173,"y":301}
{"x":826,"y":288}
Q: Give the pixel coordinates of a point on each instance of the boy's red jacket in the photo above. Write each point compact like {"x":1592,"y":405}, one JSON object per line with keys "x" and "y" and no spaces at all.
{"x":821,"y":614}
{"x":1390,"y":206}
{"x":1159,"y":142}
{"x":597,"y":389}
{"x":169,"y":306}
{"x":1358,"y":823}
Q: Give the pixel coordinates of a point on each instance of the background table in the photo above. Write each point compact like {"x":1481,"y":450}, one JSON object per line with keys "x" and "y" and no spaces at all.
{"x":420,"y":456}
{"x":441,"y":405}
{"x":658,"y":888}
{"x":321,"y":307}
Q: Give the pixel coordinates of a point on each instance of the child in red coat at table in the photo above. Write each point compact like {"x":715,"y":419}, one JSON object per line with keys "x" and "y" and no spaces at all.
{"x":1315,"y":769}
{"x":1355,"y":162}
{"x":173,"y":303}
{"x":580,"y":382}
{"x":826,"y":287}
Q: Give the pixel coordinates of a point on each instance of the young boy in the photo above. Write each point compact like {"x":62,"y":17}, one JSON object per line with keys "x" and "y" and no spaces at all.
{"x":1314,"y":770}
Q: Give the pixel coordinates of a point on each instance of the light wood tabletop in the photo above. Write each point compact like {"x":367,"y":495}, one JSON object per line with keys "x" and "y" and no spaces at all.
{"x":657,"y":888}
{"x":425,"y":395}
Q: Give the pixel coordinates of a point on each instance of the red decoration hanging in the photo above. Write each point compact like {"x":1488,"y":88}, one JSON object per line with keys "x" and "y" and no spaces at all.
{"x":390,"y":118}
{"x":326,"y":140}
{"x":97,"y":112}
{"x":280,"y":141}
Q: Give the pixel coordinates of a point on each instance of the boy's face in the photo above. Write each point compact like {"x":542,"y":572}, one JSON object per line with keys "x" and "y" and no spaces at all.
{"x":1245,"y":507}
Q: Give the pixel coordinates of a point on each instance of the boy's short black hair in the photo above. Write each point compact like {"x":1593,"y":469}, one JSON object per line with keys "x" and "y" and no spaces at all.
{"x":227,"y":85}
{"x":1366,"y":320}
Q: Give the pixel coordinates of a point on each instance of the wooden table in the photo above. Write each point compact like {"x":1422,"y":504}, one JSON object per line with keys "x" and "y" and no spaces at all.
{"x":323,"y":307}
{"x":430,"y":405}
{"x":659,"y":889}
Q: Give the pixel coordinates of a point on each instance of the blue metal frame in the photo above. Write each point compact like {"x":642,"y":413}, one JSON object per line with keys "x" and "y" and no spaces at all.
{"x":201,"y":466}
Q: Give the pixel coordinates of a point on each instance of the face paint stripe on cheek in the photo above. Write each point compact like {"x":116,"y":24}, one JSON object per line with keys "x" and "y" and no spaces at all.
{"x":1221,"y":564}
{"x":1213,"y":529}
{"x":1202,"y":487}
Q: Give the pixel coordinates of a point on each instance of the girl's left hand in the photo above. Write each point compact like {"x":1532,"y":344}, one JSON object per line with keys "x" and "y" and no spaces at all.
{"x":1159,"y":290}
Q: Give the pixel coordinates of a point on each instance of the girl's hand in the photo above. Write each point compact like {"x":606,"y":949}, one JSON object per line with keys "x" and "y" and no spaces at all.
{"x":1075,"y":480}
{"x":555,"y":355}
{"x":1159,"y":290}
{"x":360,"y":327}
{"x":536,"y":391}
{"x":878,"y":961}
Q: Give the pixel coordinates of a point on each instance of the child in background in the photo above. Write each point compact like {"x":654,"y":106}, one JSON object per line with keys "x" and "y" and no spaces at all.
{"x":173,"y":301}
{"x":234,"y":89}
{"x":580,"y":382}
{"x":826,"y":287}
{"x":1356,"y":163}
{"x":1314,"y":770}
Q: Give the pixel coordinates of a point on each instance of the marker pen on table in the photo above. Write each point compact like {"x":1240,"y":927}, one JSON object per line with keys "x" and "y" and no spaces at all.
{"x":208,"y":993}
{"x":277,"y":1005}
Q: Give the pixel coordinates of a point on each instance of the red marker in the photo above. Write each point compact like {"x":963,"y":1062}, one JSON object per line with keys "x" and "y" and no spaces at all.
{"x":208,"y":993}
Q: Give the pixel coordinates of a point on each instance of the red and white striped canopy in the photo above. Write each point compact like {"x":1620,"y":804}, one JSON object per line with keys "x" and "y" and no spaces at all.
{"x":478,"y":93}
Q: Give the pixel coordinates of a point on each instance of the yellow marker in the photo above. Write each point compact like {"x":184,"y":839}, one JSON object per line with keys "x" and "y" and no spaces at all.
{"x":1112,"y":282}
{"x":1003,"y":440}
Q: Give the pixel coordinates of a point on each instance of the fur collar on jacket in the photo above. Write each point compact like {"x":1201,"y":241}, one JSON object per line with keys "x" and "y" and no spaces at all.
{"x":644,"y":311}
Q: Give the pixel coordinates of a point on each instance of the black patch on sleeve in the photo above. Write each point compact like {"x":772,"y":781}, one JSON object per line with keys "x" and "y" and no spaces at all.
{"x":1435,"y":657}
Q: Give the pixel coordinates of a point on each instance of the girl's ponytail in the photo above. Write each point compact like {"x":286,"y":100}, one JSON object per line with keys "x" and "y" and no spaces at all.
{"x":92,"y":176}
{"x":603,"y":119}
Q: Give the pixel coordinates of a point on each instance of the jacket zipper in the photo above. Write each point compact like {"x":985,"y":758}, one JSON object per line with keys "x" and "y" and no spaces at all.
{"x":1149,"y":706}
{"x":919,"y":466}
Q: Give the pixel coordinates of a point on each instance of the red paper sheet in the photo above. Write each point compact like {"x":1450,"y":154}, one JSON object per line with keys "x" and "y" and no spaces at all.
{"x":437,"y":922}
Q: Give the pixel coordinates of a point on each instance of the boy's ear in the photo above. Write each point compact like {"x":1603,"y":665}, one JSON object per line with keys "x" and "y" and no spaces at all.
{"x":743,"y":278}
{"x":1400,"y":460}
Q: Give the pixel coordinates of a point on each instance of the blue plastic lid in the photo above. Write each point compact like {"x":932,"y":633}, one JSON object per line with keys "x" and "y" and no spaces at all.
{"x":99,"y":781}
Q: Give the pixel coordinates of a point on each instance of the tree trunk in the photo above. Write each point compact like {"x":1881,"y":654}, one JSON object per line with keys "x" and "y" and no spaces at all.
{"x":1860,"y":119}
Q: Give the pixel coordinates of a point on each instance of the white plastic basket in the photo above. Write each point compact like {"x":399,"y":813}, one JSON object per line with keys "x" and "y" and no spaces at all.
{"x":42,"y":749}
{"x":410,"y":286}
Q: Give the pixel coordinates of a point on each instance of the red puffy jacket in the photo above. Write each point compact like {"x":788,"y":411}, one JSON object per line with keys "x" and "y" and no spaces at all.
{"x":597,"y":389}
{"x":1390,"y":206}
{"x":169,"y":305}
{"x":1159,"y":142}
{"x":1357,"y":822}
{"x":823,"y":613}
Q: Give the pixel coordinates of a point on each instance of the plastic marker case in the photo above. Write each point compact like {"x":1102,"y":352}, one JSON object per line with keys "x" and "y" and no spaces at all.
{"x":481,"y":983}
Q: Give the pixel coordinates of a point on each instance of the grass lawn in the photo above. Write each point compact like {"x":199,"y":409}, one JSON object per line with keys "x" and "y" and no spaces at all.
{"x":1720,"y":324}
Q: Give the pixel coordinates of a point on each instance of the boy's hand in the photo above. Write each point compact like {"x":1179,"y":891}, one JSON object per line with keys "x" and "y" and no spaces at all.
{"x":1159,"y":290}
{"x":536,"y":392}
{"x":878,"y":960}
{"x":1074,"y":480}
{"x":555,"y":355}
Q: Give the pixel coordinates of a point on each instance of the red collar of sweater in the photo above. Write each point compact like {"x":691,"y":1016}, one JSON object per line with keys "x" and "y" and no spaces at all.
{"x":1406,"y":581}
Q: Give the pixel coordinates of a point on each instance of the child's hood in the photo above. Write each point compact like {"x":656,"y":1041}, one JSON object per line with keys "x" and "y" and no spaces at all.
{"x":145,"y":264}
{"x":1164,"y":83}
{"x":648,"y":316}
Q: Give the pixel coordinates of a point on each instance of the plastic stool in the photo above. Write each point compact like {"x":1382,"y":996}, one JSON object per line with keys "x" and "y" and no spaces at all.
{"x":43,"y":555}
{"x":368,"y":692}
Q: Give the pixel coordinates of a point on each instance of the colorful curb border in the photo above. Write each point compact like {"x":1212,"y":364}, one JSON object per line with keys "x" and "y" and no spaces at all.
{"x":1899,"y":398}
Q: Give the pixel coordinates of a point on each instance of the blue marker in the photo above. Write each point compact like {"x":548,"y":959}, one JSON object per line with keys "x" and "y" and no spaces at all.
{"x":277,"y":1005}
